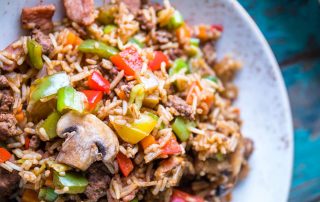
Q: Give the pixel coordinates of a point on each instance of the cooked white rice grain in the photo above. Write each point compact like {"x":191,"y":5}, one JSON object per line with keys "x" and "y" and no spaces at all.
{"x":117,"y":79}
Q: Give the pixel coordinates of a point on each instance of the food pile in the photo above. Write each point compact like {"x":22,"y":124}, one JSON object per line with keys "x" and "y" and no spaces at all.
{"x":124,"y":102}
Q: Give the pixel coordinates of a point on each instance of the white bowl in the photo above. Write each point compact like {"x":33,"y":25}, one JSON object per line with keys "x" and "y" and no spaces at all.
{"x":263,"y":98}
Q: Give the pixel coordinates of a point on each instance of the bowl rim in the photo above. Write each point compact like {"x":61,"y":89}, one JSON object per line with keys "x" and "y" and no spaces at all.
{"x":279,"y":79}
{"x":237,"y":7}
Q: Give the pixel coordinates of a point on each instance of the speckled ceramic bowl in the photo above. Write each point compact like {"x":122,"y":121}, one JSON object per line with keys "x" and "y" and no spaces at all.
{"x":263,"y":99}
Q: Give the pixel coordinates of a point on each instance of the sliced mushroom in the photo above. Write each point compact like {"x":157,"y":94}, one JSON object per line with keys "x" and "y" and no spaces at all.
{"x":88,"y":139}
{"x":237,"y":158}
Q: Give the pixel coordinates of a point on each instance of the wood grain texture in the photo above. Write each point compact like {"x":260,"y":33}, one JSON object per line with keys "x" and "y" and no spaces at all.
{"x":292,"y":28}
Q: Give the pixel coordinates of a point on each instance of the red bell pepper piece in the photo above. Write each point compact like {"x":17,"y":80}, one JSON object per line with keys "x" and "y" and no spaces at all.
{"x":4,"y":155}
{"x":27,"y":142}
{"x":180,"y":196}
{"x":97,"y":82}
{"x":125,"y":164}
{"x":217,"y":27}
{"x":159,"y":57}
{"x":128,"y":60}
{"x":171,"y":147}
{"x":93,"y":98}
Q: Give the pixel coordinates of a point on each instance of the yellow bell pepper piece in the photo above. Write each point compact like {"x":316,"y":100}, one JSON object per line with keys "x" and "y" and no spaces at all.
{"x":137,"y":130}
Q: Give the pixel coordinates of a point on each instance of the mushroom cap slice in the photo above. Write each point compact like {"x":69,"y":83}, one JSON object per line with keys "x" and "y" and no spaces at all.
{"x":88,"y":139}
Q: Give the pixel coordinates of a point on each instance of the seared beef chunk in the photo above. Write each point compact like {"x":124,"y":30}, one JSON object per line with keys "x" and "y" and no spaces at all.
{"x":43,"y":40}
{"x":80,"y":11}
{"x":14,"y":54}
{"x":180,"y":106}
{"x":98,"y":182}
{"x":38,"y":17}
{"x":133,"y":5}
{"x":9,"y":182}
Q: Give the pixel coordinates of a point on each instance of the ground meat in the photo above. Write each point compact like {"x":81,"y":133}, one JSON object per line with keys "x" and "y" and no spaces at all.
{"x":157,"y":7}
{"x":162,"y":37}
{"x":8,"y":126}
{"x":6,"y":102}
{"x":126,"y":87}
{"x":180,"y":106}
{"x":133,"y":5}
{"x":212,"y":166}
{"x":80,"y":11}
{"x":167,"y":166}
{"x":43,"y":40}
{"x":34,"y":142}
{"x":209,"y":53}
{"x":38,"y":17}
{"x":9,"y":182}
{"x":98,"y":182}
{"x":112,"y":73}
{"x":175,"y":53}
{"x":13,"y":54}
{"x":3,"y":82}
{"x":226,"y":68}
{"x":144,"y":23}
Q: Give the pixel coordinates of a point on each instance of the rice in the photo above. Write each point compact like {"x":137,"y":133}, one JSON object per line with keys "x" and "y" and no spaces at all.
{"x":80,"y":76}
{"x":13,"y":166}
{"x":158,"y":165}
{"x":61,"y":191}
{"x":14,"y":145}
{"x":117,"y":79}
{"x":6,"y":167}
{"x":5,"y":60}
{"x":53,"y":41}
{"x":28,"y":176}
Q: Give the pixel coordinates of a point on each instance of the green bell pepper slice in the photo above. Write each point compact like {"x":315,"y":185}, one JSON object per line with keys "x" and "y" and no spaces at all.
{"x":180,"y":128}
{"x":109,"y":28}
{"x":106,"y":15}
{"x":47,"y":194}
{"x":47,"y":86}
{"x":50,"y":124}
{"x":97,"y":47}
{"x":135,"y":200}
{"x":176,"y":20}
{"x":136,"y":95}
{"x":177,"y":66}
{"x":136,"y":41}
{"x":195,"y":42}
{"x":76,"y":182}
{"x":35,"y":53}
{"x":212,"y":78}
{"x":220,"y":157}
{"x":69,"y":98}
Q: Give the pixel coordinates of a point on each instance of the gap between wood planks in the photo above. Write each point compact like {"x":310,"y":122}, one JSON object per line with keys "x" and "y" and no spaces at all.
{"x":307,"y":55}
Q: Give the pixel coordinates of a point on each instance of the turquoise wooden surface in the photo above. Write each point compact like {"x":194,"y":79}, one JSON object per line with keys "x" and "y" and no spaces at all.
{"x":292,"y":28}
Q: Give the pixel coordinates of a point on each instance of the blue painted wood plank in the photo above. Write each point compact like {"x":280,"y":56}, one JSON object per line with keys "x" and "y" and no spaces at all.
{"x":292,"y":28}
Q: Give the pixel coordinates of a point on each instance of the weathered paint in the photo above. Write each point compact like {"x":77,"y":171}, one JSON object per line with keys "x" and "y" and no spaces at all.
{"x":293,"y":30}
